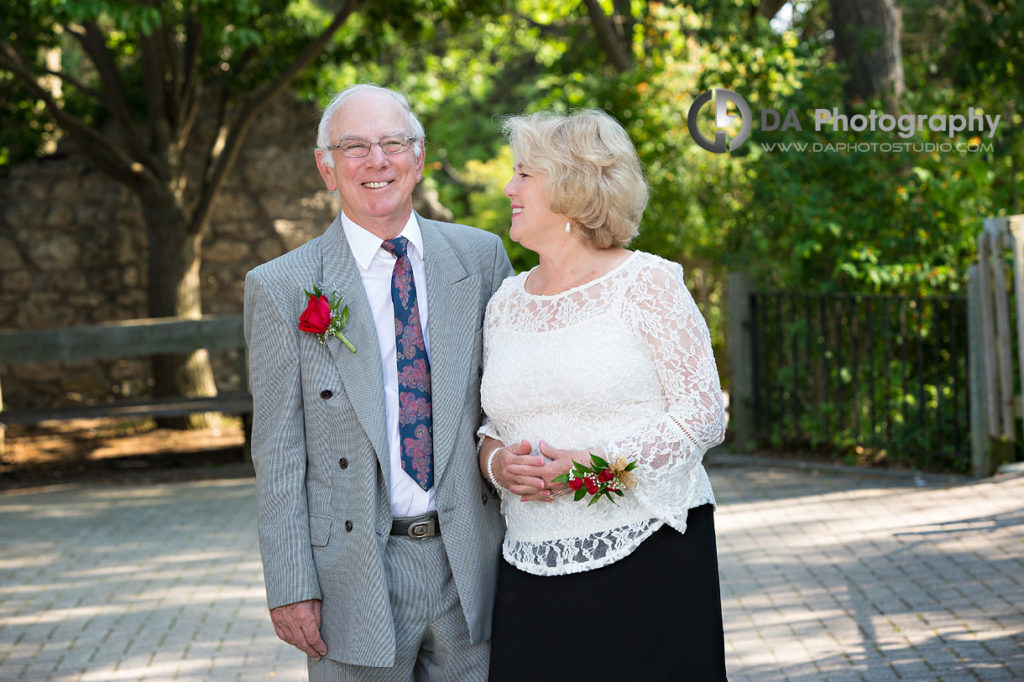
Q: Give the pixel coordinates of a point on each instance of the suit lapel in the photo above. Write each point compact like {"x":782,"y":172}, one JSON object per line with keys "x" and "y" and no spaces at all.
{"x":452,"y":296}
{"x":360,"y":371}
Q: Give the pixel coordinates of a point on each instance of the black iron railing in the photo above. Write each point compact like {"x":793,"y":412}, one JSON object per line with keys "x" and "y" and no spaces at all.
{"x":869,"y":376}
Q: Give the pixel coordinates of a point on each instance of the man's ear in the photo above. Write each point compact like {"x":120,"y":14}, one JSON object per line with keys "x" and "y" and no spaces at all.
{"x":422,"y":160}
{"x":326,"y":172}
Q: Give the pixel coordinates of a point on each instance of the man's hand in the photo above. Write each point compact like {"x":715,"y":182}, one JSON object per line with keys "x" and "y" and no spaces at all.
{"x":298,"y":624}
{"x":518,"y":470}
{"x":556,"y":462}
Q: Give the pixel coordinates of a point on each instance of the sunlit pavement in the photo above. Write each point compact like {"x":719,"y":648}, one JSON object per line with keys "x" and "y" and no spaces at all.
{"x":827,"y":574}
{"x":836,"y":575}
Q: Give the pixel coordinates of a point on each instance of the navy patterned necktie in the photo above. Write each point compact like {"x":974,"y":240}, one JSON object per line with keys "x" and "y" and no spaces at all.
{"x":414,"y":410}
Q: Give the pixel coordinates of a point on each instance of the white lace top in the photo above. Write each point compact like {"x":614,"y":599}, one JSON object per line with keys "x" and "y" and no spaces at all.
{"x":622,"y":363}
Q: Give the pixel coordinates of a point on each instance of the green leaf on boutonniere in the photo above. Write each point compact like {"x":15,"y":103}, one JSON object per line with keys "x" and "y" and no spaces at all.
{"x":323,"y":323}
{"x":600,"y":479}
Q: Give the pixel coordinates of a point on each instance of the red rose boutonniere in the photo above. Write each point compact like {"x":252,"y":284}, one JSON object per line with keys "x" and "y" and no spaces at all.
{"x":324,"y":316}
{"x":600,"y":479}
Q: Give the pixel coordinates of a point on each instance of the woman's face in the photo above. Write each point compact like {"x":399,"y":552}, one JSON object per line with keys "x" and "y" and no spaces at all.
{"x":534,"y":224}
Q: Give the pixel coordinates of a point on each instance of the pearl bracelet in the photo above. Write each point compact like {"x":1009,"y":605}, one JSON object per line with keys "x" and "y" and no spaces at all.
{"x":490,"y":470}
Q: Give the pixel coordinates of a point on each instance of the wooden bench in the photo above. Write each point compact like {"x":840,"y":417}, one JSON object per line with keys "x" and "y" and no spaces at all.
{"x":129,"y":338}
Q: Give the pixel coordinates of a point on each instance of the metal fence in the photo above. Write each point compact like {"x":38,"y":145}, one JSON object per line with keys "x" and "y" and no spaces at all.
{"x":862,"y":375}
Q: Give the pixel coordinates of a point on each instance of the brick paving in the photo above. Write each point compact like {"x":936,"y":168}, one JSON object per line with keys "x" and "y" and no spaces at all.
{"x":832,"y":574}
{"x":827,"y":574}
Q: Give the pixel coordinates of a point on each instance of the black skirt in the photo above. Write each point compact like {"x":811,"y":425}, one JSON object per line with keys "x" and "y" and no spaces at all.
{"x":653,"y":615}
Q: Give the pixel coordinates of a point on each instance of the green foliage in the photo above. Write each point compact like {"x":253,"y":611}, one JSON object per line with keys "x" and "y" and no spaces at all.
{"x":23,"y":124}
{"x":852,"y":221}
{"x":231,"y":35}
{"x":868,"y":379}
{"x":813,"y":220}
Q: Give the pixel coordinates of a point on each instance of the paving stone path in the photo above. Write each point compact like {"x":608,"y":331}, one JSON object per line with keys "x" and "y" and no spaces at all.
{"x":827,"y":574}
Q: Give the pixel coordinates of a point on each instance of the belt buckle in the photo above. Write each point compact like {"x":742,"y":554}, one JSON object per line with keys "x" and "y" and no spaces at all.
{"x":421,"y":529}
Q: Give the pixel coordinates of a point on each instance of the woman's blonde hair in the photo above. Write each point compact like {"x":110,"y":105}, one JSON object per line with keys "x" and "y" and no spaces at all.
{"x":593,"y":173}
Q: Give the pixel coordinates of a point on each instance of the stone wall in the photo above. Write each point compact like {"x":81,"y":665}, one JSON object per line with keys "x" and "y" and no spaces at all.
{"x":73,"y":250}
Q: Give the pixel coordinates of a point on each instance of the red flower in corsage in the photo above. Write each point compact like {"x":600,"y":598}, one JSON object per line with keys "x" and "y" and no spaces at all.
{"x":600,"y":479}
{"x":324,"y":316}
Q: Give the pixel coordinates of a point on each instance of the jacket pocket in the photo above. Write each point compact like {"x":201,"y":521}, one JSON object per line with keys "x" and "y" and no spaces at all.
{"x":319,"y":530}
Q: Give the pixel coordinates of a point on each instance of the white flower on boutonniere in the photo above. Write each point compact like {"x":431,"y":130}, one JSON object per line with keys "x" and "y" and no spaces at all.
{"x":324,"y":316}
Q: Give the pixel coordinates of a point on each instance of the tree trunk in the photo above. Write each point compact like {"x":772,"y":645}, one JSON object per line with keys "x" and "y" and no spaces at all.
{"x":173,"y":288}
{"x":867,"y":39}
{"x":617,"y":48}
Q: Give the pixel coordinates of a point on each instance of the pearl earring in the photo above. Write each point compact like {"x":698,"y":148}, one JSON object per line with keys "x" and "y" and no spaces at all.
{"x":568,"y":226}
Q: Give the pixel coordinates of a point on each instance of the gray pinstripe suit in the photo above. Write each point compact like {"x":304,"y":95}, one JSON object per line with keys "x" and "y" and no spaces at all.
{"x":320,"y":446}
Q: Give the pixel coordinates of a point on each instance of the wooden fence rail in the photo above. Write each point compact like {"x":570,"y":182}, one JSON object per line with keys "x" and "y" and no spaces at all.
{"x":129,"y":338}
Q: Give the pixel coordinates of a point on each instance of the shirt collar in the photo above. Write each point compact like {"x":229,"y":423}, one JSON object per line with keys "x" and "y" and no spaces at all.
{"x":365,"y":245}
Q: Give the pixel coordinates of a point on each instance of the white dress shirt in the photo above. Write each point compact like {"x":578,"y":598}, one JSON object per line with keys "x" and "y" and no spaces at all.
{"x":375,"y":268}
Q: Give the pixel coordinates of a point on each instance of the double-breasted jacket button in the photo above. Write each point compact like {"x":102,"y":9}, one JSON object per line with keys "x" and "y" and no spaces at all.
{"x":343,"y":463}
{"x":483,"y":498}
{"x":348,"y":526}
{"x":326,"y":394}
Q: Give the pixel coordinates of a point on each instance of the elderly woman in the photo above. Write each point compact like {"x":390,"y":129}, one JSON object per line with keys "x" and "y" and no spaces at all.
{"x":598,"y":351}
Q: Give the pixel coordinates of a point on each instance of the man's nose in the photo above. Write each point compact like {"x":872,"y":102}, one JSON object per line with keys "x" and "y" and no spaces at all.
{"x":377,"y":155}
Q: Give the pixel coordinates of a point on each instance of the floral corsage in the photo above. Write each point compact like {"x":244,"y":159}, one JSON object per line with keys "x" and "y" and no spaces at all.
{"x":324,"y":316}
{"x":600,"y":479}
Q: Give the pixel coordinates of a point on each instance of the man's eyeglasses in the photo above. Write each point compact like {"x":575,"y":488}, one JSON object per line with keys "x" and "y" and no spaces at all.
{"x":357,"y":149}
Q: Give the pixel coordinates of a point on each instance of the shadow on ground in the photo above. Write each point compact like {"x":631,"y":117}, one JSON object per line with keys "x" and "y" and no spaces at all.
{"x":112,"y":451}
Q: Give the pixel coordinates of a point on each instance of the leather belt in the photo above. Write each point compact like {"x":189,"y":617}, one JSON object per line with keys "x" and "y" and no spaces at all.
{"x":417,"y":527}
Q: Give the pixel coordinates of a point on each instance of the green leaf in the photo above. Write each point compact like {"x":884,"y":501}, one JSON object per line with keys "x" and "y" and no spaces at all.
{"x":579,"y":494}
{"x":564,"y":478}
{"x":598,"y":462}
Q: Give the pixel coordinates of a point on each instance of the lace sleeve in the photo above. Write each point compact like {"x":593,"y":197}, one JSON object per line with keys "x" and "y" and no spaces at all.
{"x":669,"y":448}
{"x":491,"y":316}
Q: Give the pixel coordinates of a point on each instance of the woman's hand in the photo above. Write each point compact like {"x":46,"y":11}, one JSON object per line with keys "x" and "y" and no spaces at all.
{"x":558,"y":461}
{"x":513,"y":467}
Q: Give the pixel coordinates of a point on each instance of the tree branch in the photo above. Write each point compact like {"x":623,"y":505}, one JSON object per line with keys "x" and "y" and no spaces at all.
{"x":93,"y":41}
{"x":455,"y":176}
{"x":624,"y":21}
{"x":253,"y":103}
{"x":104,"y":152}
{"x":216,"y":148}
{"x":77,"y":84}
{"x":172,"y":87}
{"x":188,"y":107}
{"x":769,"y":8}
{"x":154,"y":65}
{"x":545,"y":29}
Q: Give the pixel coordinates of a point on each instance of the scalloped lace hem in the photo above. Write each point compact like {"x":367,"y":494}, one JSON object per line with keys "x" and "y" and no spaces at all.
{"x":559,"y":557}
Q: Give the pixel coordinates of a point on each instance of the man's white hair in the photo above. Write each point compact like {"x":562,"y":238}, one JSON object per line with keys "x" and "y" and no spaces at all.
{"x":323,"y":133}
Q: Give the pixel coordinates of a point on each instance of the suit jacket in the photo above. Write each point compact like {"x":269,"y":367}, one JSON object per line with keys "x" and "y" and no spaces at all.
{"x":320,"y":447}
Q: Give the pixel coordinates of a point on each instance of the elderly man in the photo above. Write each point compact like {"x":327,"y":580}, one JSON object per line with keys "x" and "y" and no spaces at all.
{"x":379,"y":537}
